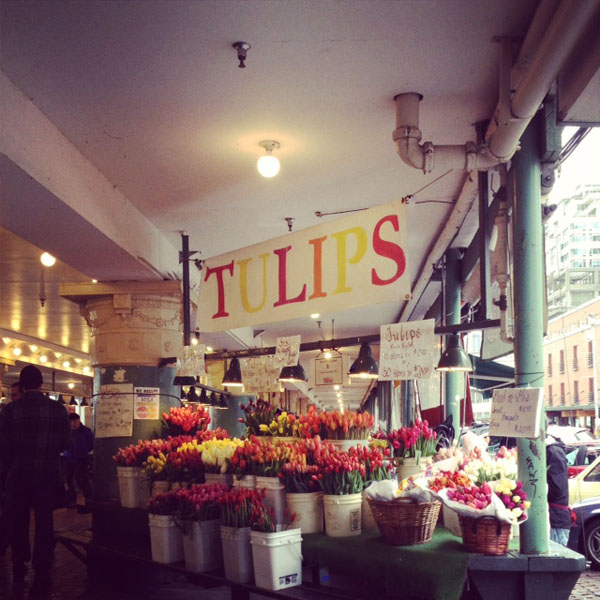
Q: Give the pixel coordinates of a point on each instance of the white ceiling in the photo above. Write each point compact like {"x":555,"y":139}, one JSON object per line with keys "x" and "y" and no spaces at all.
{"x":151,"y":94}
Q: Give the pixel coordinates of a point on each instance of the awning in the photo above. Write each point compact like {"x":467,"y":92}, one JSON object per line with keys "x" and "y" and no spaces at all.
{"x":488,"y":375}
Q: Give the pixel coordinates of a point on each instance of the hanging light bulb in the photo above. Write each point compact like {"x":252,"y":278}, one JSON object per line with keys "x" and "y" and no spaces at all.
{"x":268,"y":166}
{"x":47,"y":259}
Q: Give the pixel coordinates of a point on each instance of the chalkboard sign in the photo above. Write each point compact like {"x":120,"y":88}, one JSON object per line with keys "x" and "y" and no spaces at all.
{"x":114,"y":411}
{"x":517,"y":412}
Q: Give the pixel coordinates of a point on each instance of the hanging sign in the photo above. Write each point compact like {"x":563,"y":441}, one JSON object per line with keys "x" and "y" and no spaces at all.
{"x":517,"y":412}
{"x":407,"y":351}
{"x":146,"y":403}
{"x":114,"y":411}
{"x":329,"y":371}
{"x":287,"y":352}
{"x":354,"y":261}
{"x":260,"y":374}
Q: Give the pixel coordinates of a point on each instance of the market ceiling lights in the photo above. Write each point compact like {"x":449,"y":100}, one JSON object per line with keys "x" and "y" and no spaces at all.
{"x":47,"y":259}
{"x":454,"y":358}
{"x":295,"y":373}
{"x":268,"y":165}
{"x":365,"y":366}
{"x":233,"y":377}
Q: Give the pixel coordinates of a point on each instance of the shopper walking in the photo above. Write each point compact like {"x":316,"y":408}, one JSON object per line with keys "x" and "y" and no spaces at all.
{"x":34,"y":430}
{"x":77,"y":460}
{"x":558,"y":491}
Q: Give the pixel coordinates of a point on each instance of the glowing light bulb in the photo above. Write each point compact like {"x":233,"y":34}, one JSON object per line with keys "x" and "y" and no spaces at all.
{"x":43,"y":358}
{"x":6,"y":340}
{"x":328,"y":354}
{"x":94,"y":281}
{"x":268,"y":166}
{"x":194,"y":341}
{"x":66,"y":364}
{"x":315,"y":315}
{"x":47,"y":259}
{"x":17,"y":351}
{"x":336,"y":387}
{"x":209,"y":348}
{"x":33,"y":347}
{"x":86,"y":369}
{"x":70,"y":385}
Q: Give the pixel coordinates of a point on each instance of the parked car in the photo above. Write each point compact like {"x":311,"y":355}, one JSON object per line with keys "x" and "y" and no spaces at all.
{"x":585,"y":533}
{"x":586,"y":484}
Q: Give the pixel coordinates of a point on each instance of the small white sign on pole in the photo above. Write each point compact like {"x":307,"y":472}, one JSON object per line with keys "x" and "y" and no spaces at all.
{"x":287,"y":352}
{"x":147,"y":403}
{"x":517,"y":412}
{"x":407,"y":351}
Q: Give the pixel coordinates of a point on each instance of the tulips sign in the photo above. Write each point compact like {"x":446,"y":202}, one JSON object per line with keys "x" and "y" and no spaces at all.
{"x":354,"y":261}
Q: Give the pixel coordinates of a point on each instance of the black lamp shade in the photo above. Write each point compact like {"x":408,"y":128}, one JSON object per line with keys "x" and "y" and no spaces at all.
{"x":212,"y":399}
{"x":365,"y":366}
{"x":454,"y":358}
{"x":203,"y":397}
{"x":73,"y":402}
{"x":192,"y":396}
{"x":61,"y":400}
{"x":295,"y":373}
{"x":222,"y":403}
{"x":233,"y":376}
{"x":83,"y":402}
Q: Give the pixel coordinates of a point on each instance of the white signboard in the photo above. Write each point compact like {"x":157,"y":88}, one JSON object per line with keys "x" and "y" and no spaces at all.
{"x":260,"y":374}
{"x":357,"y":260}
{"x":114,"y":411}
{"x":329,"y":371}
{"x":146,"y":403}
{"x":287,"y":352}
{"x":517,"y":412}
{"x":407,"y":351}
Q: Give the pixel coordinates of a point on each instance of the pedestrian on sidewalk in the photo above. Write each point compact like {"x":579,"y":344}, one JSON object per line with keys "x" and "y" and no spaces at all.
{"x":34,"y":430}
{"x":77,"y":460}
{"x":558,"y":491}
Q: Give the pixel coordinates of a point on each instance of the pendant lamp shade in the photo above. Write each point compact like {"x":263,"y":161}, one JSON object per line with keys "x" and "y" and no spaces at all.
{"x":365,"y":366}
{"x":295,"y":373}
{"x":203,"y":397}
{"x":61,"y":400}
{"x":233,"y":376}
{"x":84,"y":402}
{"x":73,"y":402}
{"x":222,"y":403}
{"x":192,"y":396}
{"x":454,"y":358}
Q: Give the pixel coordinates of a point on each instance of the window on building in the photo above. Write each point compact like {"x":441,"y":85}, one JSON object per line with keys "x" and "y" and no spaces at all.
{"x":562,"y":394}
{"x":575,"y":360}
{"x":577,"y":264}
{"x":561,"y":362}
{"x":550,"y":399}
{"x":591,"y":390}
{"x":594,"y":250}
{"x":575,"y":392}
{"x":590,"y":356}
{"x":549,"y":364}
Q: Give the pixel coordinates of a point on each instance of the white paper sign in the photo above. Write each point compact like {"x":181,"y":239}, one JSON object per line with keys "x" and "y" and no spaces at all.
{"x":260,"y":374}
{"x":287,"y":352}
{"x":114,"y":411}
{"x":407,"y":351}
{"x":517,"y":412}
{"x":147,"y":403}
{"x":329,"y":371}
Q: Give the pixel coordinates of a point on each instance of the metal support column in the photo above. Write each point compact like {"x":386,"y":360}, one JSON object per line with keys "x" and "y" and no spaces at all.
{"x":454,"y":381}
{"x":185,"y":258}
{"x":408,"y":402}
{"x":529,"y":310}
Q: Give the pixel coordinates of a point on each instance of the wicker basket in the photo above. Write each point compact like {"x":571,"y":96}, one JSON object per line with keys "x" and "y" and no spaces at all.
{"x":485,"y":535}
{"x":405,"y":523}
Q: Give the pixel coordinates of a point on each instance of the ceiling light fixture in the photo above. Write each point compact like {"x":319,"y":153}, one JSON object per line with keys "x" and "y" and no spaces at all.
{"x":315,"y":315}
{"x":66,"y":364}
{"x":233,"y":376}
{"x":17,"y":351}
{"x":86,"y":369}
{"x":33,"y":347}
{"x":94,"y":281}
{"x":70,"y":385}
{"x":43,"y":358}
{"x":295,"y":373}
{"x":73,"y":402}
{"x":83,"y":402}
{"x":268,"y":166}
{"x":454,"y":358}
{"x":365,"y":366}
{"x":47,"y":259}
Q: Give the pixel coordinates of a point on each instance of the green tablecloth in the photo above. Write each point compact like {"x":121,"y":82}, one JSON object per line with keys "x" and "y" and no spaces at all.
{"x":433,"y":571}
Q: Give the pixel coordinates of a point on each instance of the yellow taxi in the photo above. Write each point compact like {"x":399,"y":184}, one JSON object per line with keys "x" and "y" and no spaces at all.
{"x":586,"y":484}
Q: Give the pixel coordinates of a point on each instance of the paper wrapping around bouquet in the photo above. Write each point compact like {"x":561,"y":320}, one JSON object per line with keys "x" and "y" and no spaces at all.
{"x":387,"y":490}
{"x":495,"y":509}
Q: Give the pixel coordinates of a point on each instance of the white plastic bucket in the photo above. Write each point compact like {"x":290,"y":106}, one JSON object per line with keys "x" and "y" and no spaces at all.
{"x":129,"y":486}
{"x":277,"y":559}
{"x":405,"y":467}
{"x":274,"y":496}
{"x":166,"y":539}
{"x":144,"y":488}
{"x":308,"y":509}
{"x":159,"y":487}
{"x":247,"y":481}
{"x":202,"y":546}
{"x":368,"y":522}
{"x":223,"y":478}
{"x":451,"y":522}
{"x":342,"y":514}
{"x":237,"y":553}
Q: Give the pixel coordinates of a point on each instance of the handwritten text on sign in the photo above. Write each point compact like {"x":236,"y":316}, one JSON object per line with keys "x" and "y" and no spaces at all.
{"x":517,"y":412}
{"x":407,"y":351}
{"x":114,"y":411}
{"x":353,"y":261}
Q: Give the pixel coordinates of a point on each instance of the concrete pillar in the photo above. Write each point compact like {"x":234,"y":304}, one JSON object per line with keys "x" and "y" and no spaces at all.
{"x":454,"y":380}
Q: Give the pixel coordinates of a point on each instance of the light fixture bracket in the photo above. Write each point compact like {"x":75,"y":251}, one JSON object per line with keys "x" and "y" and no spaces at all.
{"x":269,"y":145}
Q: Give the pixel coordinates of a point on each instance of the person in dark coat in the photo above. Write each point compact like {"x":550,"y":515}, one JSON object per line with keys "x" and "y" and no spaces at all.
{"x":77,"y":460}
{"x":558,"y":491}
{"x":34,"y":430}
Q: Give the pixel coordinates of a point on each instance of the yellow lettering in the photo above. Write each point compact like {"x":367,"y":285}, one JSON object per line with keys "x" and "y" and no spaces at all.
{"x":243,"y":265}
{"x":361,"y":249}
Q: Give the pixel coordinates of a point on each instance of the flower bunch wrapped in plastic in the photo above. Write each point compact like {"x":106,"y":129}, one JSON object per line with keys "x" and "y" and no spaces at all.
{"x":239,"y":506}
{"x":186,"y":420}
{"x":217,"y":454}
{"x":284,"y":424}
{"x":448,"y":479}
{"x":200,"y":502}
{"x":513,"y":496}
{"x":257,"y":413}
{"x":373,"y":458}
{"x":341,"y":473}
{"x":482,"y":467}
{"x":418,"y":441}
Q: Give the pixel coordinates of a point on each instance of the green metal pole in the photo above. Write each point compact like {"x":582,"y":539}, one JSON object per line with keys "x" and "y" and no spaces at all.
{"x":452,"y":317}
{"x":529,"y":326}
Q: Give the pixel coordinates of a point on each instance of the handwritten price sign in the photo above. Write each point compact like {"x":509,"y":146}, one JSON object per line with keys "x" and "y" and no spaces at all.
{"x":287,"y":352}
{"x":407,"y":351}
{"x":517,"y":412}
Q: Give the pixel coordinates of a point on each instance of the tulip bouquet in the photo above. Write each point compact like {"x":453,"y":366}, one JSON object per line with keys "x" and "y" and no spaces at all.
{"x":473,"y":496}
{"x":216,"y":454}
{"x":240,"y":506}
{"x":300,"y":478}
{"x":200,"y":502}
{"x":449,"y":479}
{"x":373,"y":459}
{"x":212,"y":434}
{"x":155,"y":467}
{"x":186,"y":420}
{"x":341,"y":473}
{"x":260,"y":458}
{"x":257,"y":413}
{"x":164,"y":504}
{"x":189,"y":461}
{"x":175,"y":469}
{"x":285,"y":424}
{"x":336,"y":425}
{"x":418,"y":441}
{"x":481,"y":467}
